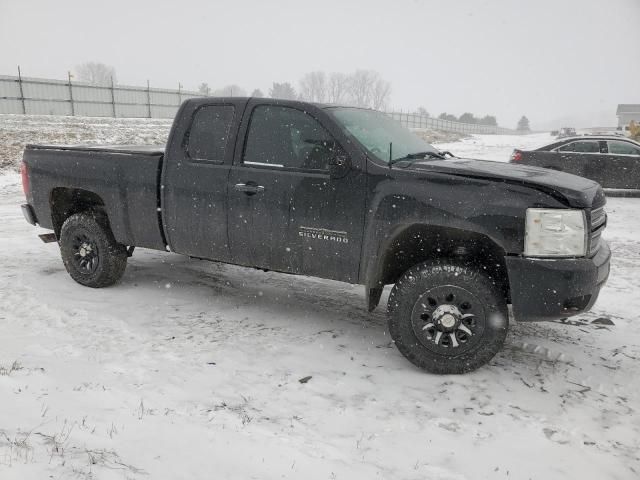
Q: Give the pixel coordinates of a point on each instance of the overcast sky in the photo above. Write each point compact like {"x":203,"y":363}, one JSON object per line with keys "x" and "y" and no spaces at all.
{"x":556,"y":61}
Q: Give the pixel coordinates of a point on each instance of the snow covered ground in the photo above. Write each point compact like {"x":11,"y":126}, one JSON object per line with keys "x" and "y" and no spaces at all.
{"x":191,"y":370}
{"x":495,"y":147}
{"x":16,"y":131}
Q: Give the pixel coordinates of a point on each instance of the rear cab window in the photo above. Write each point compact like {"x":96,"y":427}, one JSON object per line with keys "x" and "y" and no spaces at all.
{"x":208,"y":136}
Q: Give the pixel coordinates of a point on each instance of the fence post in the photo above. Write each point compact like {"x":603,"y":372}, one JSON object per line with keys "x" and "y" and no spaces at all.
{"x":113,"y":99}
{"x":73,"y":110}
{"x":148,"y":99}
{"x":24,"y":110}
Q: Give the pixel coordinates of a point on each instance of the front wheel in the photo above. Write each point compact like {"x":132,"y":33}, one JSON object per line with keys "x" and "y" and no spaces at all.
{"x":447,"y":318}
{"x":89,"y":251}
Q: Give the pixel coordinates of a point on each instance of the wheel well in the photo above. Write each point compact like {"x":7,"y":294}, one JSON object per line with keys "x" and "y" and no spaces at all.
{"x":420,"y":243}
{"x":65,"y":202}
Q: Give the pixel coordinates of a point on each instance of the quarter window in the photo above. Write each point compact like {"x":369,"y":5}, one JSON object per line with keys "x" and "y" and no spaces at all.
{"x":587,"y":146}
{"x":288,"y":138}
{"x":209,"y":133}
{"x":617,"y":147}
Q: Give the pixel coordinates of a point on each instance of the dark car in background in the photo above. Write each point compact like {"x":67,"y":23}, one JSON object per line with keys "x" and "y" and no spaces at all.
{"x":610,"y":160}
{"x":566,"y":132}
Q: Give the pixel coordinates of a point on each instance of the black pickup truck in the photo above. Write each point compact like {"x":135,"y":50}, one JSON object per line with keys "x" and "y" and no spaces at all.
{"x":341,"y":193}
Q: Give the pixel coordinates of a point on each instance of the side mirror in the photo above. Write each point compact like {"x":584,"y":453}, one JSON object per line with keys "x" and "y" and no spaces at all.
{"x":339,"y":166}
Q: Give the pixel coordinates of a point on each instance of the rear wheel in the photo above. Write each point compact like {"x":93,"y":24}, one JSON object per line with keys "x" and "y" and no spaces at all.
{"x":89,"y":251}
{"x":447,"y":318}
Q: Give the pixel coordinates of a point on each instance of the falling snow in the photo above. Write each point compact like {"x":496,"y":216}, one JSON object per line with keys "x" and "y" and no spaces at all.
{"x":145,"y":381}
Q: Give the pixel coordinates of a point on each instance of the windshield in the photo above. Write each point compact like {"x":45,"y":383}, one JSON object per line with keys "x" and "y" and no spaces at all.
{"x":377,"y":132}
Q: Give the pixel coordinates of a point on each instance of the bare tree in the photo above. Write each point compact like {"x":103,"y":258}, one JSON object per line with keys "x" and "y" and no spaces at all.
{"x":204,"y":89}
{"x":257,"y":93}
{"x":448,"y":116}
{"x":467,"y":117}
{"x":337,"y":88}
{"x":230,"y":91}
{"x":489,"y":120}
{"x":380,"y":93}
{"x":313,"y":87}
{"x":361,"y":86}
{"x":96,"y":73}
{"x":282,"y":90}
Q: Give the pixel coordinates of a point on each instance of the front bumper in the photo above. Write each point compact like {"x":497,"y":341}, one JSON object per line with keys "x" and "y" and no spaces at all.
{"x":549,"y":289}
{"x":29,"y":214}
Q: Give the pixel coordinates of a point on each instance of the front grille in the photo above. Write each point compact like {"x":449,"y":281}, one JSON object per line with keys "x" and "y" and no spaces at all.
{"x":598,"y":217}
{"x":598,"y":223}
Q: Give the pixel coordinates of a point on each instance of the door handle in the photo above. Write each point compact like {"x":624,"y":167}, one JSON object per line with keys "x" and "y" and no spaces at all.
{"x":248,"y":188}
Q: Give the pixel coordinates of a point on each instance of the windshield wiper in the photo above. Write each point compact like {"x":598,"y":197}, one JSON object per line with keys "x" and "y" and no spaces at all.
{"x":417,"y":156}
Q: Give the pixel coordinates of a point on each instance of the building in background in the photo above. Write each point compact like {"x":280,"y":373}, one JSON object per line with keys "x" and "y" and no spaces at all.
{"x":627,"y":112}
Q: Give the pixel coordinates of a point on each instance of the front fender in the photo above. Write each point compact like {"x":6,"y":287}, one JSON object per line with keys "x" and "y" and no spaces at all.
{"x":488,"y":208}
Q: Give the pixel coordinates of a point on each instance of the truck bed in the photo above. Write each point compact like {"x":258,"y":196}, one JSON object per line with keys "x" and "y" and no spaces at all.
{"x":126,"y":179}
{"x":128,"y":149}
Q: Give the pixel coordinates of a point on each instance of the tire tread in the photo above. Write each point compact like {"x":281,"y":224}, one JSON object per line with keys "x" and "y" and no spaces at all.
{"x":112,"y":264}
{"x":428,"y":274}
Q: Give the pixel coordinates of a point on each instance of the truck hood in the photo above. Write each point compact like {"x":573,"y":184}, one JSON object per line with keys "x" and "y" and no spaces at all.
{"x":578,"y":192}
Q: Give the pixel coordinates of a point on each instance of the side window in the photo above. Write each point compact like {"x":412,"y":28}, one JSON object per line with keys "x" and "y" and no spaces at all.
{"x":586,"y":146}
{"x":617,"y":147}
{"x":288,"y":138}
{"x":209,"y":133}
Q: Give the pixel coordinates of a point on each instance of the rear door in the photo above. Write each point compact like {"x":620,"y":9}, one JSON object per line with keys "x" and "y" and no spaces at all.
{"x":286,"y":212}
{"x":580,"y":157}
{"x":196,"y":171}
{"x":542,"y":158}
{"x":621,"y":165}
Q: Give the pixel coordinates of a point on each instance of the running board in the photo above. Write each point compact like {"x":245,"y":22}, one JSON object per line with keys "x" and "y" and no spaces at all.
{"x":48,"y":237}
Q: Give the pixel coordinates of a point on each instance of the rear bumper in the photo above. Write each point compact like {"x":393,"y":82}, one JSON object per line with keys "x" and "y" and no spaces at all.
{"x":29,"y":214}
{"x":549,"y":289}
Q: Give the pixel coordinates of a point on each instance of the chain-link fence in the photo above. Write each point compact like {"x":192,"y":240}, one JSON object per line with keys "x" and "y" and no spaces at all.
{"x":416,"y":120}
{"x":38,"y":96}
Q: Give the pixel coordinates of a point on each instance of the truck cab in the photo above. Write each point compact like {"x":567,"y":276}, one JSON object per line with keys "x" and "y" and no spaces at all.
{"x":273,"y":195}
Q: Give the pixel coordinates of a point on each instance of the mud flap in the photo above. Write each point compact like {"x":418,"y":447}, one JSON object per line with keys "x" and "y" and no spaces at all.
{"x":373,"y":297}
{"x":48,"y":237}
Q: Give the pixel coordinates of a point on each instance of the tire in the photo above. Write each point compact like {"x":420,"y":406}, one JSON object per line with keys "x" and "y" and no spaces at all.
{"x":89,"y":251}
{"x":460,"y":302}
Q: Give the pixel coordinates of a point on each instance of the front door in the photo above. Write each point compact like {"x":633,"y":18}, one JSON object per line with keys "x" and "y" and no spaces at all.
{"x":286,"y":212}
{"x":580,"y":157}
{"x":621,"y":165}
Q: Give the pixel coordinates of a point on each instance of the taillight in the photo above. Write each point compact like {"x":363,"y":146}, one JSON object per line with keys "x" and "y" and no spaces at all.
{"x":25,"y":178}
{"x":516,"y":156}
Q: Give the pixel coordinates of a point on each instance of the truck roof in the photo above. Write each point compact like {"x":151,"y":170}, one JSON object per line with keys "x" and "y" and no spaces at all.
{"x":281,"y":101}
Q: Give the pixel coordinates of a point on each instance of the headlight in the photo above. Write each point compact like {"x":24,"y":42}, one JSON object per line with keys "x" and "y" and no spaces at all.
{"x":555,"y":233}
